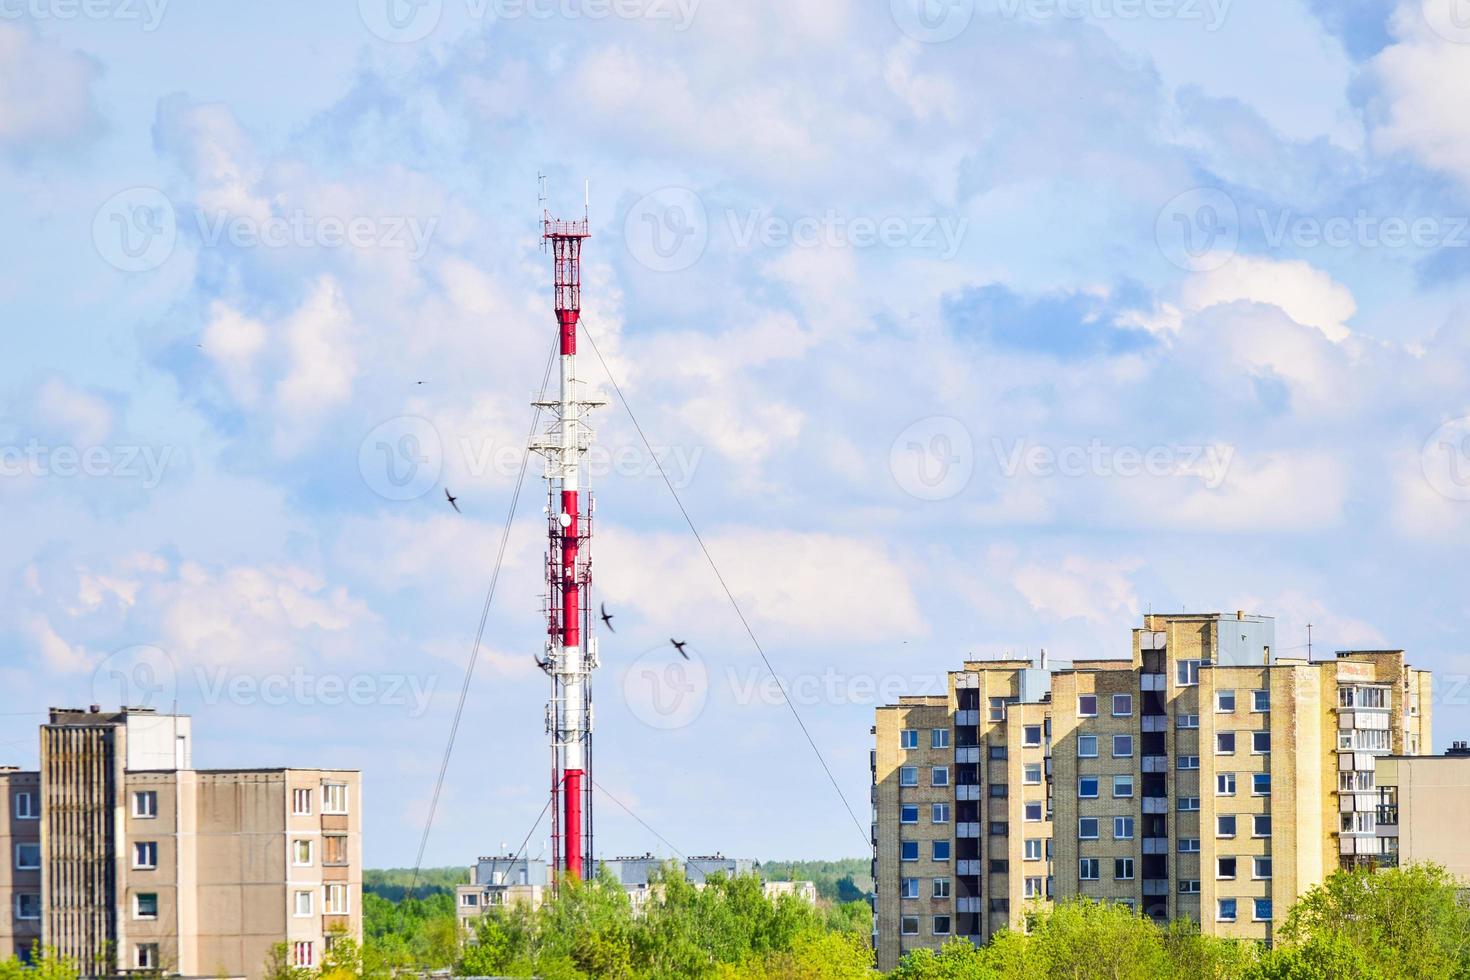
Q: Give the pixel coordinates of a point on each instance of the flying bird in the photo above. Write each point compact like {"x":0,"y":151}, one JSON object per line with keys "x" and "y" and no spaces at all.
{"x":607,"y":618}
{"x":453,"y":501}
{"x":680,"y":645}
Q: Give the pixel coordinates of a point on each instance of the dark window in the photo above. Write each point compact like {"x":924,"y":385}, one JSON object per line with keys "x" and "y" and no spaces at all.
{"x":997,"y":752}
{"x":998,"y":790}
{"x":999,"y":866}
{"x":999,"y":828}
{"x":1000,"y":905}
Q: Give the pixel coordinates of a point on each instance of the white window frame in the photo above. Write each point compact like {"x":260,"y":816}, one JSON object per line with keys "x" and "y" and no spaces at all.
{"x":330,"y":907}
{"x":138,"y":907}
{"x":1220,"y":874}
{"x":1031,"y":849}
{"x":1086,"y":714}
{"x":140,"y":863}
{"x":939,"y":776}
{"x":25,"y":806}
{"x":940,"y":889}
{"x":1256,"y":867}
{"x":939,"y":813}
{"x":1033,"y":806}
{"x":909,"y":888}
{"x":1220,"y":915}
{"x":1186,"y":722}
{"x":1220,"y":745}
{"x":908,"y":738}
{"x":939,"y":738}
{"x":145,"y":956}
{"x":1128,"y":741}
{"x":903,"y":813}
{"x":1260,"y":751}
{"x":1096,"y":828}
{"x":903,"y":925}
{"x":330,"y":806}
{"x":299,"y":795}
{"x":1127,"y":711}
{"x":310,"y":853}
{"x":908,"y":775}
{"x":1188,"y":763}
{"x":1026,"y":741}
{"x":1096,"y":787}
{"x":1225,"y":779}
{"x":1127,"y":827}
{"x":934,"y":846}
{"x":1256,"y":819}
{"x":303,"y":898}
{"x":19,"y":898}
{"x":1117,"y":782}
{"x":19,"y":866}
{"x":303,"y":946}
{"x":1127,"y":863}
{"x":1188,"y":845}
{"x":1027,"y":771}
{"x":148,"y":811}
{"x":1189,"y":804}
{"x":1189,"y":886}
{"x":1082,"y":869}
{"x":1092,"y":739}
{"x":1257,"y":792}
{"x":1256,"y":915}
{"x":1186,"y":673}
{"x":1220,"y":698}
{"x":1256,"y":705}
{"x":1220,"y":819}
{"x":934,"y":925}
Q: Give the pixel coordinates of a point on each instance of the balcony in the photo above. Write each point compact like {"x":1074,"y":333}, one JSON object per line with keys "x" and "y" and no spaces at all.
{"x":966,"y":719}
{"x":1155,"y":804}
{"x":967,"y":830}
{"x":1153,"y":682}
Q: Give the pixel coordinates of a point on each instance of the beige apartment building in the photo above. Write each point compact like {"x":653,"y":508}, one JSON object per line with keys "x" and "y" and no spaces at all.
{"x":1205,"y":777}
{"x":124,"y":857}
{"x":1421,"y":809}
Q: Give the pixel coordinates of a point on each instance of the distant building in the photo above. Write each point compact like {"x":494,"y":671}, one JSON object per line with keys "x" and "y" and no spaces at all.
{"x":127,"y":859}
{"x":1422,"y":803}
{"x":500,"y":881}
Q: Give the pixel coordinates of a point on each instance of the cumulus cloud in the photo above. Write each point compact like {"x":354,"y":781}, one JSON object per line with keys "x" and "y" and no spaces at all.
{"x":1306,"y":294}
{"x":46,"y":96}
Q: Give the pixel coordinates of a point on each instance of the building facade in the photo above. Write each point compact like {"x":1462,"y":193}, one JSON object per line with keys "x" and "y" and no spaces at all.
{"x":1421,"y":809}
{"x":1205,"y":777}
{"x":127,"y":859}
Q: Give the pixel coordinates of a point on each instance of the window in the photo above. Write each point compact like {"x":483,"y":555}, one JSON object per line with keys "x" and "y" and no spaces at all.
{"x":1358,"y":823}
{"x":908,"y":925}
{"x":1261,"y":868}
{"x":1122,"y":828}
{"x":1087,"y":746}
{"x":909,"y":850}
{"x":1263,"y":910}
{"x":27,"y":857}
{"x":1224,"y":701}
{"x":941,"y":888}
{"x":303,"y":954}
{"x":908,"y":738}
{"x":1260,"y":700}
{"x":1225,"y":784}
{"x":334,"y":797}
{"x":1261,"y":825}
{"x":301,"y":853}
{"x":998,"y":791}
{"x":1122,"y":705}
{"x":1031,"y":736}
{"x":145,"y":804}
{"x":1031,"y":774}
{"x":1186,"y":721}
{"x":303,"y":905}
{"x":1122,"y":746}
{"x":1225,"y":912}
{"x":145,"y":855}
{"x":1033,"y":888}
{"x":939,"y":813}
{"x":1261,"y":784}
{"x":1122,"y":787}
{"x":997,"y":709}
{"x":997,"y":753}
{"x":1189,"y":762}
{"x":1186,"y":672}
{"x":1224,"y":743}
{"x":1189,"y":886}
{"x":1087,"y":869}
{"x":939,"y":738}
{"x":301,"y":802}
{"x":334,"y":850}
{"x":25,"y":807}
{"x":470,"y":900}
{"x":145,"y":956}
{"x":940,"y":850}
{"x":908,"y":776}
{"x":1260,"y":742}
{"x":1032,"y":812}
{"x":1189,"y":804}
{"x":939,"y":776}
{"x":1225,"y":825}
{"x":27,"y":906}
{"x":337,"y":900}
{"x":999,"y":828}
{"x":941,"y":925}
{"x":145,"y":905}
{"x":910,"y":888}
{"x":999,"y":866}
{"x":1225,"y":868}
{"x":1087,"y":828}
{"x":1032,"y":849}
{"x":1122,"y":869}
{"x":1189,"y":845}
{"x":1087,"y":705}
{"x":908,"y":813}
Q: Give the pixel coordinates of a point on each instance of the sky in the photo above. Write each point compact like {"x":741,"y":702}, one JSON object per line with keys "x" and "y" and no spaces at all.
{"x":960,"y":329}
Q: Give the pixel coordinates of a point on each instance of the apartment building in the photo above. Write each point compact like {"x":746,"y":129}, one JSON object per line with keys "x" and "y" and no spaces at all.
{"x":1421,"y":809}
{"x":128,"y":860}
{"x":1204,"y":777}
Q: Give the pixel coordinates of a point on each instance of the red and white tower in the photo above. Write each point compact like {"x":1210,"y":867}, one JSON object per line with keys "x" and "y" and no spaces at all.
{"x":571,"y":650}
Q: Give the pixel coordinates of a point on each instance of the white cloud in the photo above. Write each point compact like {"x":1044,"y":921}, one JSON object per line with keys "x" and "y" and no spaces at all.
{"x":1306,"y":294}
{"x":1100,"y":592}
{"x":56,"y":652}
{"x":46,"y":93}
{"x":81,"y":416}
{"x":1419,"y":79}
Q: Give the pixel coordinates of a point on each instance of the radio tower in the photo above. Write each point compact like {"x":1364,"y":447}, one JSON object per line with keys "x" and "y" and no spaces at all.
{"x":571,"y":651}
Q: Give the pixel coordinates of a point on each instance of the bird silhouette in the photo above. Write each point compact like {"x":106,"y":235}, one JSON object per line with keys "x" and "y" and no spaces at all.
{"x":453,"y":501}
{"x":607,"y":618}
{"x":680,"y":645}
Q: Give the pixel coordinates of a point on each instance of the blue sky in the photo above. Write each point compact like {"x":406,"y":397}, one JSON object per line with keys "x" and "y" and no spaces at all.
{"x":970,"y":329}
